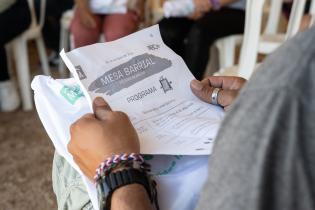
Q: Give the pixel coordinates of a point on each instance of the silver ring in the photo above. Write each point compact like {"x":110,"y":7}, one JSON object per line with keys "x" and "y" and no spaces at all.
{"x":214,"y":96}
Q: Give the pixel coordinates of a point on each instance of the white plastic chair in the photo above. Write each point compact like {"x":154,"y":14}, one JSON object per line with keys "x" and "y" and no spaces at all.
{"x":269,"y":42}
{"x":20,"y":51}
{"x":65,"y":22}
{"x":255,"y":43}
{"x":253,"y":20}
{"x":226,"y":50}
{"x":312,"y":11}
{"x":226,"y":46}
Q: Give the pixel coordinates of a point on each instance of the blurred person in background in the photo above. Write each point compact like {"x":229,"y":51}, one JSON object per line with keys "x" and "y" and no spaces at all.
{"x":14,"y":20}
{"x":87,"y":26}
{"x":51,"y":29}
{"x":192,"y":36}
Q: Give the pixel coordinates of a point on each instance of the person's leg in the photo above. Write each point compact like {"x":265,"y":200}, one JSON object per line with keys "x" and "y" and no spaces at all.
{"x":174,"y":31}
{"x":54,"y":11}
{"x":4,"y":74}
{"x":13,"y":25}
{"x":205,"y":31}
{"x":116,"y":26}
{"x":68,"y":186}
{"x":81,"y":34}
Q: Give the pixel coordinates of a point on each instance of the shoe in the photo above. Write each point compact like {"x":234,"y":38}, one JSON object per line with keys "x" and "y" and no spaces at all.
{"x":53,"y":59}
{"x":9,"y":98}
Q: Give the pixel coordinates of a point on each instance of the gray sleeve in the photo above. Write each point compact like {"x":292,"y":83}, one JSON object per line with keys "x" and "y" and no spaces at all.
{"x":264,"y":155}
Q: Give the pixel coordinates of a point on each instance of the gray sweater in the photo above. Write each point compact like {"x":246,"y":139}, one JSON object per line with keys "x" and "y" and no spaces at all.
{"x":264,"y":156}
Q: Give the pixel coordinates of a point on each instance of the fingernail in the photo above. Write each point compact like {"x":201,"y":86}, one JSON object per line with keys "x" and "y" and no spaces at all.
{"x":99,"y":101}
{"x":196,"y":85}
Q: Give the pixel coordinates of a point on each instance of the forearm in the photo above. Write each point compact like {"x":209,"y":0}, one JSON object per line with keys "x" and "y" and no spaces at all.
{"x":131,"y":197}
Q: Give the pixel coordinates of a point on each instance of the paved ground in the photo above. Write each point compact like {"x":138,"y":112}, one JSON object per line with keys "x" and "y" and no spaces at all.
{"x":25,"y":163}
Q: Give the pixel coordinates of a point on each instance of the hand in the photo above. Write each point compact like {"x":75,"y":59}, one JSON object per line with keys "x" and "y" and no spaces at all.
{"x":230,"y":87}
{"x":86,"y":18}
{"x":137,"y":6}
{"x":196,"y":15}
{"x":95,"y":137}
{"x":201,"y":7}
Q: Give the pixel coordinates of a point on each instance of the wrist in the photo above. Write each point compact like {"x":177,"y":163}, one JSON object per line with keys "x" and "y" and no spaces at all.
{"x":127,"y":174}
{"x":128,"y":190}
{"x":131,"y":196}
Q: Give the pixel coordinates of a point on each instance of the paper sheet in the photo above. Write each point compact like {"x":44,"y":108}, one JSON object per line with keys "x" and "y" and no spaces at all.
{"x":60,"y":103}
{"x":140,"y":75}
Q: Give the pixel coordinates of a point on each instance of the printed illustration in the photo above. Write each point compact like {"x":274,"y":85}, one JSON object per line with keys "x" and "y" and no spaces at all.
{"x":80,"y":72}
{"x":165,"y":84}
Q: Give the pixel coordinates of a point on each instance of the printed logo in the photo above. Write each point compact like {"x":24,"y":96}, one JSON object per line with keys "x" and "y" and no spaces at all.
{"x":80,"y":72}
{"x":71,"y":93}
{"x":129,"y":73}
{"x":165,"y":84}
{"x":168,"y":166}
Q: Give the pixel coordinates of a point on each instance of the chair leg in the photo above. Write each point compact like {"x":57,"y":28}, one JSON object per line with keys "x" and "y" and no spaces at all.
{"x":23,"y":72}
{"x":226,"y":47}
{"x":213,"y":62}
{"x":71,"y":38}
{"x":9,"y":58}
{"x":42,"y":55}
{"x":64,"y":44}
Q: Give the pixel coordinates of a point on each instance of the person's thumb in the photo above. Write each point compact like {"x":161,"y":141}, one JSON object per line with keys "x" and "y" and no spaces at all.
{"x":101,"y":108}
{"x":201,"y":90}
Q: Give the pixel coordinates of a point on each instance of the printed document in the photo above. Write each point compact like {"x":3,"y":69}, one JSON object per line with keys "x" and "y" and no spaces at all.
{"x":141,"y":76}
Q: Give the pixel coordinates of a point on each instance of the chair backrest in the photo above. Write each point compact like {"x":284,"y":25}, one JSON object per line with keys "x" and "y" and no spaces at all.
{"x":295,"y":17}
{"x":253,"y":21}
{"x":273,"y":20}
{"x":42,"y":12}
{"x":312,"y":12}
{"x":294,"y":20}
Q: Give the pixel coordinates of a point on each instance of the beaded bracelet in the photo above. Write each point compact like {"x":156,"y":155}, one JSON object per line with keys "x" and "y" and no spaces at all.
{"x":117,"y":161}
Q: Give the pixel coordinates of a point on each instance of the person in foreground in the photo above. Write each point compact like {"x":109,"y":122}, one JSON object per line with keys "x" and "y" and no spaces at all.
{"x":264,"y":154}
